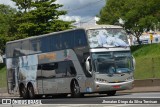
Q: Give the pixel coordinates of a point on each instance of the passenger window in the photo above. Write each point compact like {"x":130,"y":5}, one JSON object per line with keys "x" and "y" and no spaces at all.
{"x":72,"y":71}
{"x":57,"y":42}
{"x":45,"y":44}
{"x":16,"y":49}
{"x":47,"y":70}
{"x":67,"y":40}
{"x":35,"y":46}
{"x":80,"y":38}
{"x":65,"y":69}
{"x":59,"y":70}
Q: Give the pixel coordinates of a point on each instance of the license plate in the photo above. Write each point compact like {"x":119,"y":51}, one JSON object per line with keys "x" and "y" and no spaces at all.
{"x":116,"y":86}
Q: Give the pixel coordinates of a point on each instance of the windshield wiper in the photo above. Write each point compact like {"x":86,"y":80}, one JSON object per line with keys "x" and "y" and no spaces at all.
{"x":102,"y":60}
{"x":124,"y":71}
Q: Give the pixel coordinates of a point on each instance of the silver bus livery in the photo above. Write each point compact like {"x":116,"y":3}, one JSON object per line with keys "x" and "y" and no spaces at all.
{"x":77,"y":62}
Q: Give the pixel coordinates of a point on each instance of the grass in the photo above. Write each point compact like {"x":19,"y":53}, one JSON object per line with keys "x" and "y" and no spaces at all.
{"x":3,"y":81}
{"x":147,"y":61}
{"x":145,"y":51}
{"x":147,"y":68}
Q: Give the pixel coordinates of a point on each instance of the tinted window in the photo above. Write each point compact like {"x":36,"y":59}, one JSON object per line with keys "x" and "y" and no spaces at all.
{"x":35,"y":46}
{"x":8,"y":50}
{"x":55,"y":42}
{"x":50,"y":66}
{"x":15,"y":47}
{"x":67,"y":40}
{"x":25,"y":45}
{"x":45,"y":44}
{"x":65,"y":69}
{"x":24,"y":48}
{"x":58,"y":69}
{"x":80,"y":38}
{"x":47,"y":70}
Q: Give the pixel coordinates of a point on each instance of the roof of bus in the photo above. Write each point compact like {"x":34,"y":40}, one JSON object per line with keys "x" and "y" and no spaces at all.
{"x":101,"y":26}
{"x":86,"y":27}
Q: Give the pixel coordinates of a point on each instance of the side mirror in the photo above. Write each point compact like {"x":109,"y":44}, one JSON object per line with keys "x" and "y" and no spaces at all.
{"x":1,"y":59}
{"x":134,"y":62}
{"x":88,"y":65}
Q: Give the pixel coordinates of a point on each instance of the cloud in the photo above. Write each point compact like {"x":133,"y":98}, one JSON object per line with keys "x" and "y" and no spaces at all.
{"x":81,"y":9}
{"x":77,"y":9}
{"x":70,"y":18}
{"x":8,"y":2}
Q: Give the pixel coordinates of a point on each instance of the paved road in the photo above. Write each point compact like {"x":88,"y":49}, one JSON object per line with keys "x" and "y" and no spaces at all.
{"x":120,"y":100}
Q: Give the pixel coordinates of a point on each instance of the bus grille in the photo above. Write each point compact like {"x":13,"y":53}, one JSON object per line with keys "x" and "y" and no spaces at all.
{"x":117,"y":82}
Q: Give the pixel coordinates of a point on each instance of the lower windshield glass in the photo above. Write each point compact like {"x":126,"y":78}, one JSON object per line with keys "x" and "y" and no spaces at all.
{"x":112,"y":62}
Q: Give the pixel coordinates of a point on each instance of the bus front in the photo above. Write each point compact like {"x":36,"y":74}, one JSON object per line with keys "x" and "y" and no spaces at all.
{"x":111,"y":60}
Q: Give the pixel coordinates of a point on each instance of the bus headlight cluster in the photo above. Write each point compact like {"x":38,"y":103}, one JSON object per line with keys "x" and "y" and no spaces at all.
{"x":129,"y":78}
{"x":101,"y":80}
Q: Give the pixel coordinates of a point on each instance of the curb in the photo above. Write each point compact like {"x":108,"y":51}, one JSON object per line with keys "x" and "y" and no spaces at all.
{"x":134,"y":90}
{"x":151,"y":82}
{"x":142,"y":89}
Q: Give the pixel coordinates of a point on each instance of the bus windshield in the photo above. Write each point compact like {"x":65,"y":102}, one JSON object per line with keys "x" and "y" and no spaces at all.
{"x":112,"y":62}
{"x":107,"y":37}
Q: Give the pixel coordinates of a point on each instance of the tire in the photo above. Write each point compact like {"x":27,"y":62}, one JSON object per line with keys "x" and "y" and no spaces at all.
{"x":75,"y":89}
{"x":23,"y":92}
{"x":31,"y":93}
{"x":60,"y":96}
{"x":20,"y":92}
{"x":38,"y":96}
{"x":111,"y":93}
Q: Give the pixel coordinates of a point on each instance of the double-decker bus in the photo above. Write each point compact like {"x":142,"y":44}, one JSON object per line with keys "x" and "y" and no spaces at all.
{"x":77,"y":62}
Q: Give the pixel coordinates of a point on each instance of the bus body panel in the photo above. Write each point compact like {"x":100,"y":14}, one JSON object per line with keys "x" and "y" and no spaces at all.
{"x":51,"y":62}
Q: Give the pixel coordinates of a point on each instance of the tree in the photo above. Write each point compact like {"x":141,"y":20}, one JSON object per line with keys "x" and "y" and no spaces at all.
{"x":138,"y":15}
{"x":6,"y":14}
{"x":23,"y":4}
{"x":41,"y":18}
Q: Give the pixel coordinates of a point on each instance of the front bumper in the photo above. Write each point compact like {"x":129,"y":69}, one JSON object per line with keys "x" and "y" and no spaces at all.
{"x":100,"y":87}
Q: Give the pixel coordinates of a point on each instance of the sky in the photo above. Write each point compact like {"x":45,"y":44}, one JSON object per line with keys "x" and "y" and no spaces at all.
{"x":78,"y":10}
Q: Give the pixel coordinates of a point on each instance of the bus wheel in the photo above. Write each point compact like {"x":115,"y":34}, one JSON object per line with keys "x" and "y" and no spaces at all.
{"x":38,"y":96}
{"x":111,"y":93}
{"x":31,"y":91}
{"x":60,"y":96}
{"x":23,"y":92}
{"x":75,"y":89}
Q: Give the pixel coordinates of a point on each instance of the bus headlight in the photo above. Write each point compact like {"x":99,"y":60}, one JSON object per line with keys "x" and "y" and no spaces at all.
{"x":101,"y":80}
{"x":130,"y":78}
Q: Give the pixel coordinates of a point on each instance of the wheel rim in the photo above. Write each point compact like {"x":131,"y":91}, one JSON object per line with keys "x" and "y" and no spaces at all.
{"x":76,"y":88}
{"x":30,"y":90}
{"x":23,"y":91}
